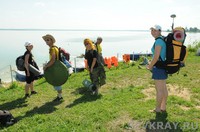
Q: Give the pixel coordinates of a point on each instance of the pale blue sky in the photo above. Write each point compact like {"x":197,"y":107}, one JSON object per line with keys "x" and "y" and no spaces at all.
{"x":98,"y":14}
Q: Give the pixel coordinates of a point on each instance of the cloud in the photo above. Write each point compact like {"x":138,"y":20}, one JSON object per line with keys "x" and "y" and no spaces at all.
{"x":39,"y":4}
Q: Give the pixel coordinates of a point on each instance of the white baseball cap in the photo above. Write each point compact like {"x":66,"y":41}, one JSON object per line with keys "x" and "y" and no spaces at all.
{"x":156,"y":27}
{"x":28,"y":44}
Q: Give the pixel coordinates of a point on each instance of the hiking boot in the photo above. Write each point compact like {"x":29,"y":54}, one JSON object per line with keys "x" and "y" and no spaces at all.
{"x":26,"y":96}
{"x":33,"y":92}
{"x":103,"y":82}
{"x":94,"y":87}
{"x":58,"y":99}
{"x":95,"y":92}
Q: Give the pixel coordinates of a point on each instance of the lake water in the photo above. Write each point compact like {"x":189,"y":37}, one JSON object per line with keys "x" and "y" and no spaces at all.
{"x":114,"y":43}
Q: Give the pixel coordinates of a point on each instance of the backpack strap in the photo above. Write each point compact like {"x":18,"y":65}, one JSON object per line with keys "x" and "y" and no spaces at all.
{"x":57,"y":55}
{"x":160,"y":37}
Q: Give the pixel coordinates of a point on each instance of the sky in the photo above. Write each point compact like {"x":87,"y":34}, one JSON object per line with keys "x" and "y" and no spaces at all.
{"x":98,"y":14}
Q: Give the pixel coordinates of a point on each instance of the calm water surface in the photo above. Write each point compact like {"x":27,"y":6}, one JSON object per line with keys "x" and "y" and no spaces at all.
{"x":114,"y":43}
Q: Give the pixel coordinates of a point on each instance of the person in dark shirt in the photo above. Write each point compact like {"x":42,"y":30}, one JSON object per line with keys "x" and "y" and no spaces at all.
{"x":28,"y":59}
{"x":94,"y":69}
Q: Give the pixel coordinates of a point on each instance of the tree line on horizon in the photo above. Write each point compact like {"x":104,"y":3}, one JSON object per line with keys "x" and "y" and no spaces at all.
{"x":191,"y":29}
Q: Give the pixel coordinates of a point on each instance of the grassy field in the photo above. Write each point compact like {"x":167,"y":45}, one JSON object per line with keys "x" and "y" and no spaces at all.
{"x":123,"y":104}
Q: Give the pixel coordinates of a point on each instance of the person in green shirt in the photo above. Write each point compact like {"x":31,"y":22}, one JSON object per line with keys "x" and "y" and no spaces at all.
{"x":99,"y":49}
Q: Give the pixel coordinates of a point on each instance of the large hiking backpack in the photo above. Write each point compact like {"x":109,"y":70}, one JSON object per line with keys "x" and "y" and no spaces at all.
{"x":176,"y":52}
{"x":20,"y":63}
{"x":62,"y":54}
{"x":6,"y":118}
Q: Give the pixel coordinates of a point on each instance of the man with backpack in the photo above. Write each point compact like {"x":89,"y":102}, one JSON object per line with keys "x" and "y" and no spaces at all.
{"x":54,"y":54}
{"x":100,"y":60}
{"x":159,"y":74}
{"x":99,"y":49}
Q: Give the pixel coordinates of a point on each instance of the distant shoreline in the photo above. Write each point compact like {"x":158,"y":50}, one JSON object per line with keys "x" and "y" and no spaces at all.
{"x":114,"y":30}
{"x":32,"y":29}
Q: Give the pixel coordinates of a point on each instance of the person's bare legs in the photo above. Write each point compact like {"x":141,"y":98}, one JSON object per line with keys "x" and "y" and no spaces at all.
{"x":31,"y":86}
{"x":161,"y":95}
{"x":59,"y":93}
{"x":27,"y":88}
{"x":164,"y":100}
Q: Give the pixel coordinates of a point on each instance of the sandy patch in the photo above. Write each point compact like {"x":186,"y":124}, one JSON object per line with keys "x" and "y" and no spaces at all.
{"x":197,"y":107}
{"x":184,"y":107}
{"x":149,"y":92}
{"x":179,"y":91}
{"x":125,"y":82}
{"x":172,"y":90}
{"x":124,"y":123}
{"x":4,"y":85}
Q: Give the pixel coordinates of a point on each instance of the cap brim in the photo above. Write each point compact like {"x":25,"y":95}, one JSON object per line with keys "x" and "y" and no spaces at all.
{"x":28,"y":45}
{"x":155,"y":29}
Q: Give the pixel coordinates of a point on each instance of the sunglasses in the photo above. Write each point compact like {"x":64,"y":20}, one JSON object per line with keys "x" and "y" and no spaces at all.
{"x":86,"y":44}
{"x":47,"y":40}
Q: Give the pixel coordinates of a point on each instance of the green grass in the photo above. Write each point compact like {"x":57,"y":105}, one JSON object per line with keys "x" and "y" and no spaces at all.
{"x":122,"y":105}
